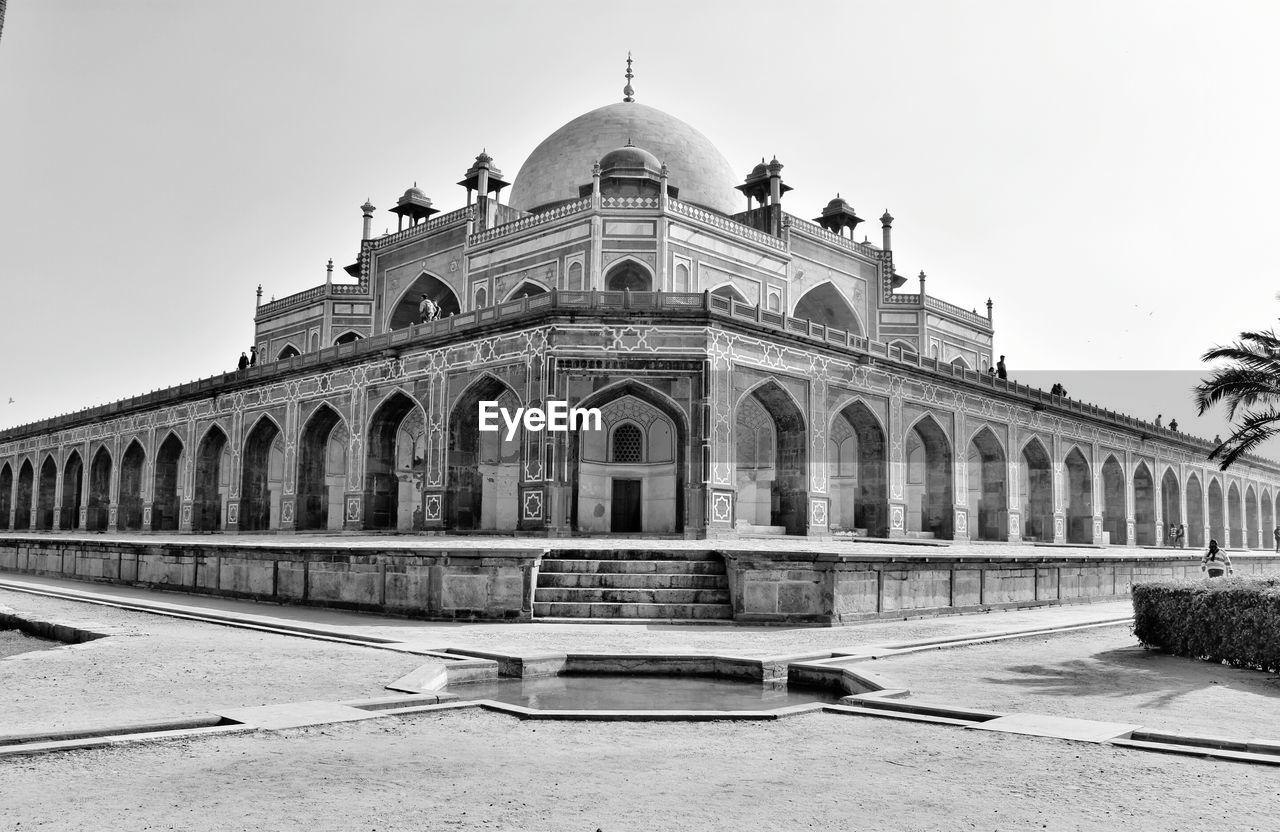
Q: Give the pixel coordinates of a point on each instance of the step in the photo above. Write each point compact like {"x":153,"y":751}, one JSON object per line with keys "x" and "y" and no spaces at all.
{"x":628,"y":580}
{"x":635,"y":567}
{"x":763,"y":531}
{"x":631,"y":596}
{"x":668,"y":611}
{"x":633,"y":554}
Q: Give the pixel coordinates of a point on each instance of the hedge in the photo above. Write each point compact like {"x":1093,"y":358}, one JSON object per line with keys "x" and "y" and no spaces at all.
{"x":1231,"y":620}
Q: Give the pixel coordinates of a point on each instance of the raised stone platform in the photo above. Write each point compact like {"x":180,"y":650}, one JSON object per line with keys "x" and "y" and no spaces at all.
{"x":786,"y":580}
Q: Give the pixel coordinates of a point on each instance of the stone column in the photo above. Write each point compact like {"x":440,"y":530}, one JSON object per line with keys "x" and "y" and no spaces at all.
{"x":897,"y":469}
{"x":289,"y":476}
{"x":960,"y":478}
{"x":353,"y":495}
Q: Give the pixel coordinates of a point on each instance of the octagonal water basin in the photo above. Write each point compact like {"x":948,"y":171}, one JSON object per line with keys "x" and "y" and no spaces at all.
{"x":630,"y":692}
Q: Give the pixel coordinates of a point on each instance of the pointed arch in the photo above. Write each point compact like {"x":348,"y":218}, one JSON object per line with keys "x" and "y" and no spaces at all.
{"x":527,"y":288}
{"x":1036,"y":491}
{"x":1251,"y":528}
{"x":961,"y":362}
{"x":129,"y":499}
{"x":1079,"y":497}
{"x":288,"y":351}
{"x":905,"y":346}
{"x":1217,"y":512}
{"x":403,"y":311}
{"x":857,"y":469}
{"x":728,"y":290}
{"x":1114,"y":505}
{"x":1195,"y":512}
{"x":257,"y":497}
{"x":167,"y":491}
{"x":988,"y":500}
{"x":594,"y":492}
{"x":792,"y":405}
{"x":98,"y":516}
{"x":1171,"y":506}
{"x":6,"y":496}
{"x":210,"y":480}
{"x":1268,"y":519}
{"x":629,"y":274}
{"x":1144,"y":505}
{"x":72,"y":491}
{"x":322,"y":469}
{"x":825,"y":304}
{"x":26,"y":495}
{"x":348,"y":337}
{"x":928,"y":452}
{"x":482,"y":469}
{"x":395,"y":453}
{"x":1235,"y":517}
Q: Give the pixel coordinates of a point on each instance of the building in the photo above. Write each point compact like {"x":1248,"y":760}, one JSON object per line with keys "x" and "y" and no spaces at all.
{"x":756,"y":373}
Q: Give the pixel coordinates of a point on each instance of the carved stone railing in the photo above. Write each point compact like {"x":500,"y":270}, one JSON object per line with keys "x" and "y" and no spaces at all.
{"x":819,"y":233}
{"x":969,"y":317}
{"x":746,"y":232}
{"x":310,"y":296}
{"x":531,"y":221}
{"x":424,"y":228}
{"x":912,"y":299}
{"x":630,"y":202}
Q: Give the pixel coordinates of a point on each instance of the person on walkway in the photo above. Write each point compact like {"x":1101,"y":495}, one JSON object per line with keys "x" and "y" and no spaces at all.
{"x":1056,"y":389}
{"x":427,"y":310}
{"x":1277,"y":538}
{"x":1173,"y":534}
{"x":1173,"y":425}
{"x":1160,"y":420}
{"x":1215,"y":562}
{"x":1001,"y":372}
{"x":253,"y":356}
{"x":1182,"y":536}
{"x":243,"y":363}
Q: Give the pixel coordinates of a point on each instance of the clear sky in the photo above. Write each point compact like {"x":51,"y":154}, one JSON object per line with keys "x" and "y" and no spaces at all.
{"x":1105,"y":171}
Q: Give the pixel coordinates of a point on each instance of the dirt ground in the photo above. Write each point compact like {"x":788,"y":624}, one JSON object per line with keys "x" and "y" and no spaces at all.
{"x":13,"y":642}
{"x":1097,"y":674}
{"x":168,"y":668}
{"x":473,"y":770}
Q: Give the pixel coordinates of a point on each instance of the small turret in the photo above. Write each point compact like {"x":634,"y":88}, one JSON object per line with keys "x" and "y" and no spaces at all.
{"x":886,"y":228}
{"x":414,"y":205}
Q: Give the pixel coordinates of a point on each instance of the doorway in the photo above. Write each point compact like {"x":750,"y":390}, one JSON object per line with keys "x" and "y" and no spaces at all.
{"x":626,"y":505}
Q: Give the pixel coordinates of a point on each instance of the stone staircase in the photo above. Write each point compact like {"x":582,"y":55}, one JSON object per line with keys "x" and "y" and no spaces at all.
{"x":625,"y":584}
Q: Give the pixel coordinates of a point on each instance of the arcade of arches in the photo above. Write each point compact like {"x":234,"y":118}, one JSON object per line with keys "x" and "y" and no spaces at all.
{"x":643,"y":472}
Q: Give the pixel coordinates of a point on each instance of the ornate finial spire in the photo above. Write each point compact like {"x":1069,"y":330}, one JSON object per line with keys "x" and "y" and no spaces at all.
{"x":628,"y":94}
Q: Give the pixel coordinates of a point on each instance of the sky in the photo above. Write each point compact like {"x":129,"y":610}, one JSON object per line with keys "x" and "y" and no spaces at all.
{"x":1105,"y":171}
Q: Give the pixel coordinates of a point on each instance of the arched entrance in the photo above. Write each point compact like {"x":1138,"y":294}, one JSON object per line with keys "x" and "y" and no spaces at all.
{"x":772,"y":460}
{"x":527,"y":289}
{"x":1170,"y":505}
{"x":129,"y":517}
{"x":6,"y":495}
{"x":406,"y":311}
{"x":1144,"y":506}
{"x":629,"y":276}
{"x":1079,"y":498}
{"x":347,"y":338}
{"x":47,"y":495}
{"x":1195,"y":513}
{"x":72,"y":491}
{"x":1251,"y":536}
{"x":825,"y":305}
{"x":929,"y":478}
{"x":1268,"y":522}
{"x":166,"y":504}
{"x":629,"y":476}
{"x":1235,"y":518}
{"x":322,"y":470}
{"x":988,"y":501}
{"x":394,"y":465}
{"x":26,"y":493}
{"x":483,"y":468}
{"x":259,"y":502}
{"x":211,"y":479}
{"x":1217,"y":514}
{"x":857,"y":467}
{"x":98,"y":517}
{"x":1037,"y":492}
{"x":1114,"y":505}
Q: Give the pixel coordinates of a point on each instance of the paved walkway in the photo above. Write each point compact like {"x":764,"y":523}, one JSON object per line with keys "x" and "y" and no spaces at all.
{"x":533,"y":638}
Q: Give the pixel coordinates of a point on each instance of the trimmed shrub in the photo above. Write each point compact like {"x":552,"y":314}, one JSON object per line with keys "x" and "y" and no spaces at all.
{"x":1232,"y":620}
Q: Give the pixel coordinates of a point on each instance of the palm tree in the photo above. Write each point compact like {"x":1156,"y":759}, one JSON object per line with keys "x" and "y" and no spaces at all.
{"x":1251,"y":381}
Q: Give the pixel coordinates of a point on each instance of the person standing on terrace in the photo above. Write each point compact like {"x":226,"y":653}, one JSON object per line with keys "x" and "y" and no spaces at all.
{"x":1001,"y":372}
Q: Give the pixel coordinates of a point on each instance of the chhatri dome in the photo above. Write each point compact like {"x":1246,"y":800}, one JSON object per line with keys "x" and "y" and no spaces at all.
{"x":562,"y":162}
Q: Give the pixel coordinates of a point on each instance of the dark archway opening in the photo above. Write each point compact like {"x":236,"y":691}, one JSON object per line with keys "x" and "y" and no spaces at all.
{"x":988,"y":495}
{"x":322,"y":470}
{"x":1250,"y":518}
{"x":483,"y":472}
{"x":1235,"y":518}
{"x":1195,"y":512}
{"x":166,"y":504}
{"x":98,"y":516}
{"x":788,"y":491}
{"x":1037,"y":493}
{"x":255,"y":476}
{"x":859,"y":481}
{"x":26,"y":494}
{"x":1114,"y":516}
{"x":1268,"y":523}
{"x":289,"y":351}
{"x":827,"y":306}
{"x":1171,"y":507}
{"x":930,"y":500}
{"x":389,"y":456}
{"x":72,"y":492}
{"x":347,"y":338}
{"x":207,"y":505}
{"x":129,"y":502}
{"x":527,"y":290}
{"x":1079,"y":499}
{"x":406,"y":312}
{"x":6,"y":496}
{"x":1217,"y":524}
{"x":628,"y":276}
{"x":1144,"y":506}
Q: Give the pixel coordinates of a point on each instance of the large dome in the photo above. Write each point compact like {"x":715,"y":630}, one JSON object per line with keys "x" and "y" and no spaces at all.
{"x":562,"y":163}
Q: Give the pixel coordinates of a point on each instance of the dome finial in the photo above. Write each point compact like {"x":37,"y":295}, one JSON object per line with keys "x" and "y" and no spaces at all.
{"x":628,"y":94}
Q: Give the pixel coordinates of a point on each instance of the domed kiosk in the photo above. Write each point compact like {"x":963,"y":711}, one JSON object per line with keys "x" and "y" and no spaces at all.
{"x":562,"y":163}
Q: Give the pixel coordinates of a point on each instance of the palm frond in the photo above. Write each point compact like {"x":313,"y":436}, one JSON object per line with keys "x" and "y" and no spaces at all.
{"x":1255,"y":428}
{"x":1237,"y":387}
